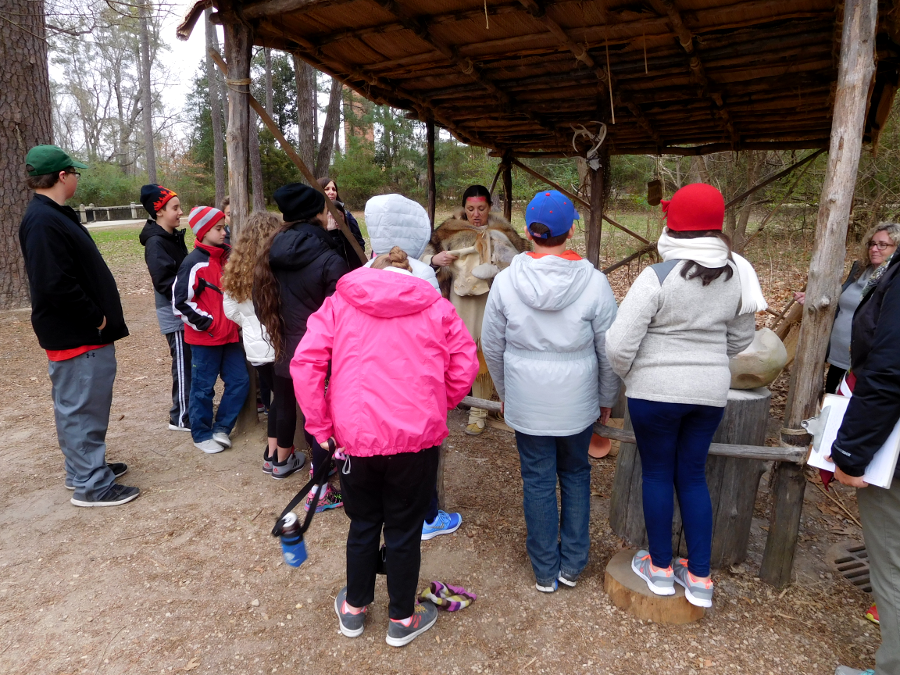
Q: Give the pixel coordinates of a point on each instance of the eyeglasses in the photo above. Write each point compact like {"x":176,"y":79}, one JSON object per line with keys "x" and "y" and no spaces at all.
{"x":880,"y":245}
{"x":73,"y":173}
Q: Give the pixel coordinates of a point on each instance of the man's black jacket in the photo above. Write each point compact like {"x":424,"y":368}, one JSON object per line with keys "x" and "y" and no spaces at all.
{"x":71,"y":287}
{"x":875,"y":360}
{"x":163,"y":252}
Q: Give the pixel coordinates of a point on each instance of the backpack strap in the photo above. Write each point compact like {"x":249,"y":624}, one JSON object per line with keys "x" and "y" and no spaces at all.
{"x":320,"y":477}
{"x":662,"y":269}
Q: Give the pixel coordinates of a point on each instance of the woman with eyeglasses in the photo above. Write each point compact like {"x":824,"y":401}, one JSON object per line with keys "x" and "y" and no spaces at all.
{"x":877,"y":248}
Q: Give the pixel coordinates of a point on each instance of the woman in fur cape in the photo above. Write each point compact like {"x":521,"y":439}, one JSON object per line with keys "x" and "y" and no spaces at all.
{"x":467,"y":251}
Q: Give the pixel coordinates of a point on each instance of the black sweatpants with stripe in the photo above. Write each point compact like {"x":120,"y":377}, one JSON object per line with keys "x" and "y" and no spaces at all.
{"x":181,"y":379}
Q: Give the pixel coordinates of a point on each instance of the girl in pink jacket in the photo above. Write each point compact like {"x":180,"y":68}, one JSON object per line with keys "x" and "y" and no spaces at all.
{"x":400,"y":358}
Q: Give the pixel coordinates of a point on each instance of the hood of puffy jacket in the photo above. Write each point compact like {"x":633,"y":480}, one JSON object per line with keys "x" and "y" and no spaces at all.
{"x":549,"y":283}
{"x":154,"y":229}
{"x":394,"y":220}
{"x":382,"y":294}
{"x":299,"y":246}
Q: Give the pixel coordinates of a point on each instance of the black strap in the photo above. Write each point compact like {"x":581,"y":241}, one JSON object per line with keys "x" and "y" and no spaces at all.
{"x":662,"y":269}
{"x":319,"y":478}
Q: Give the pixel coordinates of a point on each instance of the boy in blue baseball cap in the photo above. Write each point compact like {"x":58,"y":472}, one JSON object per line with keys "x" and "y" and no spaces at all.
{"x":543,"y":339}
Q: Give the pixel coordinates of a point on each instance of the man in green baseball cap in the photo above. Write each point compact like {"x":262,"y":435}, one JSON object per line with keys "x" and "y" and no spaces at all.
{"x":77,"y":315}
{"x":43,"y":160}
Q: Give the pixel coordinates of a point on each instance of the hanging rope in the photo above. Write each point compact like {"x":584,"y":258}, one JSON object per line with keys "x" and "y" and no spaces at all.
{"x":612,"y":108}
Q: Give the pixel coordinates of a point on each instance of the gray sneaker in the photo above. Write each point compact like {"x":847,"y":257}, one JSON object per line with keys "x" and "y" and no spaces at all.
{"x":210,"y":447}
{"x":115,"y":496}
{"x":294,"y":462}
{"x":423,"y":618}
{"x":118,"y":469}
{"x":660,"y":582}
{"x":699,"y":593}
{"x":352,"y":625}
{"x":222,"y":439}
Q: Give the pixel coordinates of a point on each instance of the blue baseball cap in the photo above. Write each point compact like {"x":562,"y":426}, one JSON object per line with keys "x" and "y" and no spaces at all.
{"x":553,"y":209}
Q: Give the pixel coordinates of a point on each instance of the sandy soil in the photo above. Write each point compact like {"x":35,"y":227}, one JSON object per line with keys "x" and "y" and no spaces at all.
{"x":188,"y":579}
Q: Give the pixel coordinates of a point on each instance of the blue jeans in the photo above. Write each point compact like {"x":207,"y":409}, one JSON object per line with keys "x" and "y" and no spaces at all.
{"x":673,"y":441}
{"x":557,"y":543}
{"x":207,"y":364}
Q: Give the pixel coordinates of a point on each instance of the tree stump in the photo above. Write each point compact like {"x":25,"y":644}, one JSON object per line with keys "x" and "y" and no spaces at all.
{"x":629,"y":593}
{"x":733,"y":483}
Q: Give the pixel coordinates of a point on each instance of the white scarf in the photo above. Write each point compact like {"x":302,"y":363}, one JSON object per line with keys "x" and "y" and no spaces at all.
{"x":712,"y":252}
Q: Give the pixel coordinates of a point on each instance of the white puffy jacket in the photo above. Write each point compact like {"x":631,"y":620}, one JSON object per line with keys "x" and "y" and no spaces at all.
{"x":394,"y":220}
{"x":543,"y":339}
{"x":256,"y":339}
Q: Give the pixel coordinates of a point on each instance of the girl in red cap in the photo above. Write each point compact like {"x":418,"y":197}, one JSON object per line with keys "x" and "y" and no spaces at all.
{"x":675,"y":331}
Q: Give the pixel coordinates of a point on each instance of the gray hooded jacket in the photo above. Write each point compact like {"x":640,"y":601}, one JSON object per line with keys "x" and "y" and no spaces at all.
{"x":543,"y":339}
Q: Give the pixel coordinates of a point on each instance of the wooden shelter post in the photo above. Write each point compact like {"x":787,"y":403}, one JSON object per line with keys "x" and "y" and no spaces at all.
{"x":856,"y":70}
{"x":432,"y":184}
{"x":507,"y":185}
{"x":238,"y":48}
{"x":595,"y":219}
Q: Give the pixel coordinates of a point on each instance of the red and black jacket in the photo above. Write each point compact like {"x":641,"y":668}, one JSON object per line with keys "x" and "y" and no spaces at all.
{"x":197,"y":297}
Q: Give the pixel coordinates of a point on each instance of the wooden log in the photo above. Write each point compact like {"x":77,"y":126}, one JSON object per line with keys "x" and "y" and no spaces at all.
{"x":733,"y":481}
{"x":855,"y":73}
{"x":432,"y":185}
{"x":649,"y":248}
{"x":629,"y":592}
{"x":595,"y":217}
{"x":238,"y":47}
{"x":507,"y":189}
{"x":295,"y":158}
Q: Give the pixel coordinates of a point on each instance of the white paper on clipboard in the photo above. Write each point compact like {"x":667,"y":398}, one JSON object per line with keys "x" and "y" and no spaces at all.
{"x":880,"y":471}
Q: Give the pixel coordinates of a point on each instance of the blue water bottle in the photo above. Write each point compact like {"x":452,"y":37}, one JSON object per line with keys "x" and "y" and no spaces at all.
{"x":292,"y":546}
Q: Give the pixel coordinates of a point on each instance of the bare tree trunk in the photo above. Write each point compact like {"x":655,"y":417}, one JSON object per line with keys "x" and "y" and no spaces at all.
{"x":332,"y":121}
{"x":215,"y":110}
{"x":736,"y":227}
{"x":270,"y":106}
{"x":145,"y":93}
{"x":306,"y":110}
{"x":259,"y":198}
{"x":24,"y":122}
{"x":238,"y":50}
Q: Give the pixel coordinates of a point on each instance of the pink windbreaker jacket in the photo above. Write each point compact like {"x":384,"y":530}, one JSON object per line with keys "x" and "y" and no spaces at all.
{"x":400,"y":358}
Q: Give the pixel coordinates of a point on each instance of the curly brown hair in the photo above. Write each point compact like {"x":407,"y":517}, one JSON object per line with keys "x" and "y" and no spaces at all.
{"x":237,"y":279}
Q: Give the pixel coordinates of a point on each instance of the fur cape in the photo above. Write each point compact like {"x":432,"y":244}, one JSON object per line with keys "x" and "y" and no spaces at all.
{"x":456,"y":232}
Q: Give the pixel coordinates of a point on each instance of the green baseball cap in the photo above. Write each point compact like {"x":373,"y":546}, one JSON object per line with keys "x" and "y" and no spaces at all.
{"x":44,"y":159}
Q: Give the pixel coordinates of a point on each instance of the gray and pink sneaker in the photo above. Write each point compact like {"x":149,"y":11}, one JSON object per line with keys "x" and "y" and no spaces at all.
{"x":699,"y":592}
{"x":659,"y":581}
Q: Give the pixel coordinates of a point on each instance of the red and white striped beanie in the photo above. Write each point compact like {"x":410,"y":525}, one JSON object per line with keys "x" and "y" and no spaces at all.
{"x":203,"y":218}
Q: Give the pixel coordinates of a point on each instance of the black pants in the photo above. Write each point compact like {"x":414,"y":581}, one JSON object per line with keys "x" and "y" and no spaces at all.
{"x":282,"y":421}
{"x":390,"y":492}
{"x":833,"y":379}
{"x":181,"y":379}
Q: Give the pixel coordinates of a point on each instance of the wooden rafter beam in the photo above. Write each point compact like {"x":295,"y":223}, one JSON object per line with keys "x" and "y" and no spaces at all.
{"x":698,"y":70}
{"x":466,"y":65}
{"x":606,"y":80}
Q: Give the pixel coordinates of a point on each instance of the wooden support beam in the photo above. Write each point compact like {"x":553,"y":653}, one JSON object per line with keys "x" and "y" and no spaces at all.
{"x":295,"y":158}
{"x":432,"y":185}
{"x":649,"y":248}
{"x":238,"y":48}
{"x":855,"y":73}
{"x":793,"y":455}
{"x":771,"y":179}
{"x":575,"y":198}
{"x":594,"y":228}
{"x":507,"y":187}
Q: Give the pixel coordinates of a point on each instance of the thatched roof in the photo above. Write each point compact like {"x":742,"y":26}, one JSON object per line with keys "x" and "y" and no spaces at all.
{"x":687,"y":76}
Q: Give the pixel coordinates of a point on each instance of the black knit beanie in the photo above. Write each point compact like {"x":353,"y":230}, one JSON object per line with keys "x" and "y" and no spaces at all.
{"x":154,"y":197}
{"x":297,"y":201}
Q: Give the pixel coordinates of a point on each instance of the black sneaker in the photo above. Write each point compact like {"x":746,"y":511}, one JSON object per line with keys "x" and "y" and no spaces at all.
{"x":115,"y":496}
{"x":352,"y":625}
{"x":423,"y":618}
{"x":118,"y":469}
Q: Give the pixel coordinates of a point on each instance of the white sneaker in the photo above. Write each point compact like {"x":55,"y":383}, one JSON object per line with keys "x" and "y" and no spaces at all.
{"x":175,"y":427}
{"x":222,"y":438}
{"x":210,"y":447}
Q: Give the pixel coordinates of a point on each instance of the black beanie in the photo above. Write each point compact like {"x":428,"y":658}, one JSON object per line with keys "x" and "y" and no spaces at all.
{"x":297,"y":201}
{"x":154,"y":197}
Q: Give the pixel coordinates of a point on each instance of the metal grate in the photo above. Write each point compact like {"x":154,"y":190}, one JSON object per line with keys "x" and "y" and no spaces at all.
{"x":852,"y":563}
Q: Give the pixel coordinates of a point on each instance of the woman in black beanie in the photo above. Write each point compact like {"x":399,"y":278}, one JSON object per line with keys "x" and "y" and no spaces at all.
{"x":293,"y":276}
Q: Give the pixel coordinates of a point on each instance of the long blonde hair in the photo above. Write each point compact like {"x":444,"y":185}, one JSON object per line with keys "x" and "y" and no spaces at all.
{"x":237,"y":279}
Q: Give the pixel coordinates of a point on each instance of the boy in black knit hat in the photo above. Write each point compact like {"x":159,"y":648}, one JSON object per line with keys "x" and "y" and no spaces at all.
{"x":164,"y":251}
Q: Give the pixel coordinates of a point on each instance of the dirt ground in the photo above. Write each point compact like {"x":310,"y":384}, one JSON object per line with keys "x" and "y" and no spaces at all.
{"x":188,"y":579}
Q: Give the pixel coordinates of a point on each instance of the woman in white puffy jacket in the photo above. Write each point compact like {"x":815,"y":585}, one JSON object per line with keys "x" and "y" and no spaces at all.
{"x":279,"y":458}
